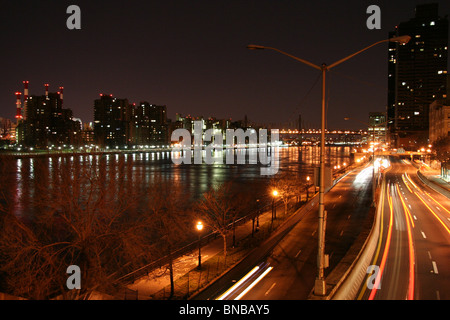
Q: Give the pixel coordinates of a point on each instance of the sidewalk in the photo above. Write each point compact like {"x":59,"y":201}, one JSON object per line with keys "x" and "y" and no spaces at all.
{"x":159,"y":278}
{"x":434,"y":177}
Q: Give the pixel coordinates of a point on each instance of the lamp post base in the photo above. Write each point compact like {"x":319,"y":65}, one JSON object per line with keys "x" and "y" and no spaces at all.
{"x":320,"y":287}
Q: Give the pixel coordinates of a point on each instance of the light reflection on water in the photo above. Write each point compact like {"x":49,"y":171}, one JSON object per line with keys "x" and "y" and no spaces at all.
{"x":26,"y":180}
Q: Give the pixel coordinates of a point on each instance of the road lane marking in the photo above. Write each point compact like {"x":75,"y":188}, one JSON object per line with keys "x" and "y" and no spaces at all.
{"x":237,"y":284}
{"x":406,"y":210}
{"x":435,"y":215}
{"x":423,"y":235}
{"x":435,"y":269}
{"x":409,"y":179}
{"x":298,"y":253}
{"x":429,"y":254}
{"x":254,"y":283}
{"x":406,"y":184}
{"x":409,"y":224}
{"x":438,"y":204}
{"x":386,"y":249}
{"x":380,"y":238}
{"x":271,"y":287}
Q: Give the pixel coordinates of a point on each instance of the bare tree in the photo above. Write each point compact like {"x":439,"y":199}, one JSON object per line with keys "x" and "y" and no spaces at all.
{"x":172,"y":222}
{"x":219,"y":208}
{"x":86,"y":215}
{"x":286,"y":185}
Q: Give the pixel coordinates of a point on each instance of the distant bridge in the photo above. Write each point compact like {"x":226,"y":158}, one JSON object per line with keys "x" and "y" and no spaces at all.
{"x":312,"y":137}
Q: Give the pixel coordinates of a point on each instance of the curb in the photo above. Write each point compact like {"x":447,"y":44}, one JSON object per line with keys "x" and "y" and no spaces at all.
{"x":433,"y":184}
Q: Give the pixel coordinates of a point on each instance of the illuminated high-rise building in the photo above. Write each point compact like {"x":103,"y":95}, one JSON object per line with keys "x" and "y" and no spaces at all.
{"x":416,"y":75}
{"x":111,"y":121}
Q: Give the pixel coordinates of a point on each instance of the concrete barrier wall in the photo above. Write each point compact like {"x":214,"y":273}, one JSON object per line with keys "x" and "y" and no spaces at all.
{"x":433,"y":185}
{"x":347,"y":288}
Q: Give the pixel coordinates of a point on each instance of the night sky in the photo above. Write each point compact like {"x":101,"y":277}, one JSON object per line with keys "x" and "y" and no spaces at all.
{"x":192,"y":56}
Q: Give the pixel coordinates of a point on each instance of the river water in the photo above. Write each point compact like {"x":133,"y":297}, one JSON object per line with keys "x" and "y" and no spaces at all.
{"x":20,"y":178}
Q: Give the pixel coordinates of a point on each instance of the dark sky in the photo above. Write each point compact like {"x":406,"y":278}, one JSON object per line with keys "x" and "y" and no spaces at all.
{"x":192,"y":56}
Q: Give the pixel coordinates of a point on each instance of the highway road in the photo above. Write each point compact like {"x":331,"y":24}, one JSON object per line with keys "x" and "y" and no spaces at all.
{"x":412,"y":258}
{"x":284,"y":267}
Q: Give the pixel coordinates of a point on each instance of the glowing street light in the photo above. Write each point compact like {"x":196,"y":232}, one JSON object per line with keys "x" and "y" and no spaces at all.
{"x":307,"y":188}
{"x":274,"y":210}
{"x":199,"y":227}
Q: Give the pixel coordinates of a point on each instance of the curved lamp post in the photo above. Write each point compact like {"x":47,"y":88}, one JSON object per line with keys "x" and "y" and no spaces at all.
{"x":320,"y":285}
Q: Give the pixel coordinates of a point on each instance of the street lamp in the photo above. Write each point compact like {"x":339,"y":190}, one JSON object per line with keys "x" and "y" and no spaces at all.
{"x":320,"y":285}
{"x":199,"y":227}
{"x":307,"y":188}
{"x":274,"y":209}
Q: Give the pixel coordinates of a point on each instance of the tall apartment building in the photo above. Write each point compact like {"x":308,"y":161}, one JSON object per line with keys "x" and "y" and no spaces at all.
{"x":46,"y":123}
{"x":118,"y":123}
{"x":377,"y":126}
{"x":416,"y":76}
{"x":111,"y":121}
{"x":158,"y":124}
{"x":149,"y":124}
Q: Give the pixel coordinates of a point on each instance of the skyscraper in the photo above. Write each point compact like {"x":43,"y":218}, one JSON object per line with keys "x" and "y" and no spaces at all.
{"x":111,"y":121}
{"x":46,"y":123}
{"x":119,"y":124}
{"x":149,"y":124}
{"x":416,"y":75}
{"x":377,"y":126}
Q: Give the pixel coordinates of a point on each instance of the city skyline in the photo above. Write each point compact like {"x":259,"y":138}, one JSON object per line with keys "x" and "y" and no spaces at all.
{"x":257,"y":150}
{"x":192,"y":57}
